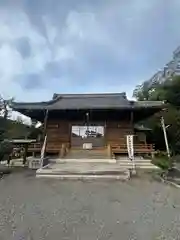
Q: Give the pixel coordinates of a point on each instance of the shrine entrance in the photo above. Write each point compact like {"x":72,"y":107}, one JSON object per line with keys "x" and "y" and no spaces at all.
{"x":87,"y":136}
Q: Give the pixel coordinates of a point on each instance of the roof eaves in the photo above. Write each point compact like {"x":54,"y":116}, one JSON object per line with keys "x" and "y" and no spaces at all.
{"x":33,"y":105}
{"x":149,"y":104}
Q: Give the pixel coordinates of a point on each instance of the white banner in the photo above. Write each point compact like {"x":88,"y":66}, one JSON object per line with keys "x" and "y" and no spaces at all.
{"x":43,"y":150}
{"x":87,"y":145}
{"x":130,"y":146}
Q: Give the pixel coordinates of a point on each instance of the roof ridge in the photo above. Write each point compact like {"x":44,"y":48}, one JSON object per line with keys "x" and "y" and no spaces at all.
{"x":89,"y":95}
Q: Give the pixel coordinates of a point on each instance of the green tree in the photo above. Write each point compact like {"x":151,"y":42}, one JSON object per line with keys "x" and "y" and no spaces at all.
{"x":169,"y":91}
{"x":5,"y":146}
{"x":4,"y":114}
{"x":149,"y":91}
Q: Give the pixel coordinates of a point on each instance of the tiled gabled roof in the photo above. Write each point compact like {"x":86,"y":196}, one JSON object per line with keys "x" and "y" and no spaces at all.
{"x":88,"y":101}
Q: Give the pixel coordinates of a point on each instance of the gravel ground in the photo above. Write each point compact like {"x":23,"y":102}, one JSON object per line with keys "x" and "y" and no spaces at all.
{"x":34,"y":209}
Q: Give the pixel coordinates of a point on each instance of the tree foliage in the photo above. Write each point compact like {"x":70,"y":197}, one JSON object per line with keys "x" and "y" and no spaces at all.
{"x":6,"y":149}
{"x":4,"y":114}
{"x":5,"y":104}
{"x":168,"y":91}
{"x":13,"y":129}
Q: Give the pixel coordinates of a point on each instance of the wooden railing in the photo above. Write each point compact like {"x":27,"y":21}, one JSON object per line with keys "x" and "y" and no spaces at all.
{"x":111,"y":148}
{"x":50,"y":147}
{"x":62,"y":149}
{"x":138,"y":148}
{"x":35,"y":147}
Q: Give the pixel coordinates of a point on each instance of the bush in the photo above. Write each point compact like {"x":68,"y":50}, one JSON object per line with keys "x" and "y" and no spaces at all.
{"x":6,"y":149}
{"x":163,"y":162}
{"x":160,"y":154}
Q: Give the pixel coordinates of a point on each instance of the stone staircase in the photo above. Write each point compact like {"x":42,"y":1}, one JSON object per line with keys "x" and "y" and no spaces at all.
{"x":75,"y":153}
{"x":82,"y":155}
{"x":84,"y":171}
{"x":91,"y":164}
{"x":140,"y":163}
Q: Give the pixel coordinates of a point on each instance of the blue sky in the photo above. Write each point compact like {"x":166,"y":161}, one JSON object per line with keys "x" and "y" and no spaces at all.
{"x":76,"y":46}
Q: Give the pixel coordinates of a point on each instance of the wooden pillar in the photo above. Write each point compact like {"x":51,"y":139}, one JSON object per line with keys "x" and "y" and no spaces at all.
{"x":145,"y":138}
{"x":109,"y":152}
{"x":105,"y":138}
{"x":45,"y":129}
{"x":132,"y":120}
{"x":63,"y":150}
{"x":45,"y":124}
{"x":25,"y":153}
{"x":9,"y":159}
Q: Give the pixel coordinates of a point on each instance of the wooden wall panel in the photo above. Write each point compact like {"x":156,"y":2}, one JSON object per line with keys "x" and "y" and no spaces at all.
{"x":116,"y":132}
{"x":58,"y":132}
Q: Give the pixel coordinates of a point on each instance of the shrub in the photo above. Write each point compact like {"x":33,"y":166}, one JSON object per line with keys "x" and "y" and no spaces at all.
{"x":163,"y":162}
{"x":160,"y":154}
{"x":6,"y":149}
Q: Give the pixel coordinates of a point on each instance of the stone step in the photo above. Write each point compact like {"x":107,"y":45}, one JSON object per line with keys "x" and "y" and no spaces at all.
{"x":85,"y":160}
{"x":87,"y":172}
{"x":147,"y":167}
{"x":91,"y":154}
{"x":136,"y":160}
{"x":85,"y":156}
{"x":141,"y":166}
{"x":137,"y":163}
{"x":84,"y":177}
{"x":84,"y":171}
{"x":87,"y":151}
{"x":127,"y":158}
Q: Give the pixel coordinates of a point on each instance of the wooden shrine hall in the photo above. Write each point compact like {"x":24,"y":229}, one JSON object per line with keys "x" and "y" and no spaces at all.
{"x":98,"y":122}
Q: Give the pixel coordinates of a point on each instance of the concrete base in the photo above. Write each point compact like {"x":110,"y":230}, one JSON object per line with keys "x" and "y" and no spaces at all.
{"x":31,"y":162}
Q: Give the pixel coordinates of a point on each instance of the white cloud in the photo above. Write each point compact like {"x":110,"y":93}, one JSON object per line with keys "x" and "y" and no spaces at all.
{"x":11,"y":63}
{"x":64,"y":53}
{"x":110,"y":43}
{"x":14,"y":26}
